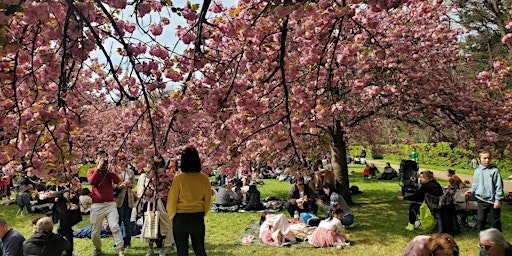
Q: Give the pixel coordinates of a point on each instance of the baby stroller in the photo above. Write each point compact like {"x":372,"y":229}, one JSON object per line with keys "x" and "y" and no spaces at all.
{"x":408,"y":176}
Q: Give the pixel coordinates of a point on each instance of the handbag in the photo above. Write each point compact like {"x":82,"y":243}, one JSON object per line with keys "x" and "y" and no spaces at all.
{"x":151,"y":221}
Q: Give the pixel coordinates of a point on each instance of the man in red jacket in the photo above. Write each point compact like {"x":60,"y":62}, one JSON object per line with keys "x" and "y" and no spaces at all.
{"x":103,"y":205}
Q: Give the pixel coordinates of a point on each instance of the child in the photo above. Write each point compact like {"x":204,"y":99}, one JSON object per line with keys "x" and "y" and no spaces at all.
{"x":329,"y":231}
{"x":366,"y":172}
{"x":488,"y":190}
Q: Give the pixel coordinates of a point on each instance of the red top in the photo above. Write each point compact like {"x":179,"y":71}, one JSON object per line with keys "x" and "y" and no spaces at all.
{"x":101,"y":185}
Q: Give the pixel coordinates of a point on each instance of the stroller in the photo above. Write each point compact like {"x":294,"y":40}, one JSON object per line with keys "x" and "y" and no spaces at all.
{"x":408,"y":176}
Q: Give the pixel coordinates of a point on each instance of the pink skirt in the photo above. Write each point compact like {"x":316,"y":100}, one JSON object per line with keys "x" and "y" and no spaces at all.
{"x":323,"y":237}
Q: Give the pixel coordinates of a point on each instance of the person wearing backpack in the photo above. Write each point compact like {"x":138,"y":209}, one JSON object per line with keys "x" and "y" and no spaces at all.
{"x":46,"y":243}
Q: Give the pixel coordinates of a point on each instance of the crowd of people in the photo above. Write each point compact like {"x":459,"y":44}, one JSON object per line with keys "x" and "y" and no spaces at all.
{"x":183,"y":196}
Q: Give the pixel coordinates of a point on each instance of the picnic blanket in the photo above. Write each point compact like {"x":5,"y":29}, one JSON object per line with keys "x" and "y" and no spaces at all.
{"x":250,"y":236}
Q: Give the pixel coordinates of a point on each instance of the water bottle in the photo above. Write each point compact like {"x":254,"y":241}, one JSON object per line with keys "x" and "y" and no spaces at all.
{"x":296,"y":215}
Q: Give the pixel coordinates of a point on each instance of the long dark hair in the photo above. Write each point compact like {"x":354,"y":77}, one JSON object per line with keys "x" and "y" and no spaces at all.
{"x":331,"y":188}
{"x":190,"y":161}
{"x":334,"y":211}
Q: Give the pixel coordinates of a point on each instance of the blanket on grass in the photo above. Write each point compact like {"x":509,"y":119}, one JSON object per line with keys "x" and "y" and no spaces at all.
{"x":250,"y":236}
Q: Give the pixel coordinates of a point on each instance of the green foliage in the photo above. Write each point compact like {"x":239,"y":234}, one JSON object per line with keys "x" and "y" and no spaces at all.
{"x":378,"y":229}
{"x":440,"y":154}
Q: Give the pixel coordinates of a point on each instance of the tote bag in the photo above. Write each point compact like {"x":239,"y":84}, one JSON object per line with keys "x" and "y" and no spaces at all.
{"x":151,"y":221}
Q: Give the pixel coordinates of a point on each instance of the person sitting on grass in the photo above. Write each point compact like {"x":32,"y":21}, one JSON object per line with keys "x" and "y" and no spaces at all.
{"x":429,"y":185}
{"x":439,"y":244}
{"x":46,"y":243}
{"x":253,"y":198}
{"x":301,"y":198}
{"x":10,"y":240}
{"x":227,"y":197}
{"x":336,"y":201}
{"x":330,"y":232}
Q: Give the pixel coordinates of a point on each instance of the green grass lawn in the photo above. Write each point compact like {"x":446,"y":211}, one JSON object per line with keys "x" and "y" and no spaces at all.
{"x":378,"y":228}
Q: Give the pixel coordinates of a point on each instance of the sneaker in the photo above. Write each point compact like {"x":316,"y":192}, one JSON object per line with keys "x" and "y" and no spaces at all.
{"x":161,"y":253}
{"x":150,"y":253}
{"x":121,"y":253}
{"x":97,"y":253}
{"x":410,"y":227}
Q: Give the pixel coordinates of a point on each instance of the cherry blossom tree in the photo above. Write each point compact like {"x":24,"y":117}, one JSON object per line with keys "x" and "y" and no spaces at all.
{"x":260,"y":81}
{"x":281,"y":78}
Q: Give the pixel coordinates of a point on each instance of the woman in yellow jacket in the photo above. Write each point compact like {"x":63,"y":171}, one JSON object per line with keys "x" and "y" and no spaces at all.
{"x":188,"y":203}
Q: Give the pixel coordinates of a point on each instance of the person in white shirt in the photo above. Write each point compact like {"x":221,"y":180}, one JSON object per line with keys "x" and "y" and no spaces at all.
{"x":330,"y":232}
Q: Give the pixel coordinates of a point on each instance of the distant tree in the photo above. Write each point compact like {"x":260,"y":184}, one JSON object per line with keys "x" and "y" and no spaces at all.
{"x":485,"y":24}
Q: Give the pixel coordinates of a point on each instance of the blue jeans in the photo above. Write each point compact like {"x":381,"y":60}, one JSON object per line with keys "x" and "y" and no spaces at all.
{"x":125,"y":214}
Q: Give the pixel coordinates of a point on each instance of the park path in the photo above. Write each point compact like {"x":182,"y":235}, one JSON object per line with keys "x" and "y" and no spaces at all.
{"x":441,"y":174}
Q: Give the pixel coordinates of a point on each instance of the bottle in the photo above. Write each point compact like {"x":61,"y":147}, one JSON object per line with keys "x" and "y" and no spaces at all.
{"x":296,"y":215}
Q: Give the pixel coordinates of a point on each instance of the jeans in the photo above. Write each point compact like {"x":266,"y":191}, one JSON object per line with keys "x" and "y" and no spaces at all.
{"x":124,"y":217}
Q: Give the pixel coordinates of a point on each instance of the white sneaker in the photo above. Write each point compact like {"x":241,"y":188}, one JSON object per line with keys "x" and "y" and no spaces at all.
{"x":161,"y":253}
{"x":121,"y":253}
{"x":150,"y":253}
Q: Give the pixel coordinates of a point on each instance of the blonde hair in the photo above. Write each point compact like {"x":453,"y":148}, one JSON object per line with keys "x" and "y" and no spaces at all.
{"x":429,"y":175}
{"x":482,"y":153}
{"x":442,"y":244}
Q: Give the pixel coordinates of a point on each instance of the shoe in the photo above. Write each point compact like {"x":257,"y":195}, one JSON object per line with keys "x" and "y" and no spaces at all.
{"x":150,"y":253}
{"x":121,"y":253}
{"x":410,"y":227}
{"x":161,"y":253}
{"x":97,"y":253}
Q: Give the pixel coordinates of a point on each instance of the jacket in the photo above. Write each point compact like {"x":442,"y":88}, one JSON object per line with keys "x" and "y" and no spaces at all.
{"x":432,"y":187}
{"x":487,"y":184}
{"x":46,"y":243}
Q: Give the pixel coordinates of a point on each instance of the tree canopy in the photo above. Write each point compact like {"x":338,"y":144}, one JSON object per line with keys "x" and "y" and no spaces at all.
{"x":259,"y":81}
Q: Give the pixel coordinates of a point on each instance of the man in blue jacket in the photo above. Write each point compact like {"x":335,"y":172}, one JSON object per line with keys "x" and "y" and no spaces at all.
{"x":11,"y":239}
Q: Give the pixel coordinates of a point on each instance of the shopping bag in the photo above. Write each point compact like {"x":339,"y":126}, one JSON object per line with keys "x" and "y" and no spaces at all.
{"x":151,"y":221}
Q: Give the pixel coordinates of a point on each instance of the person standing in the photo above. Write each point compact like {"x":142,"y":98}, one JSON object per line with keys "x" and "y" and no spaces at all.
{"x":157,"y":191}
{"x":362,"y":157}
{"x":11,"y":240}
{"x":124,"y":200}
{"x":414,"y":155}
{"x":103,"y":205}
{"x":488,"y":189}
{"x":46,"y":243}
{"x":189,"y":202}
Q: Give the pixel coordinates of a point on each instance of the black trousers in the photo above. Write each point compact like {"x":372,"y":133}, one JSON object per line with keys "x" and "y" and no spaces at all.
{"x":483,"y":210}
{"x":191,"y":225}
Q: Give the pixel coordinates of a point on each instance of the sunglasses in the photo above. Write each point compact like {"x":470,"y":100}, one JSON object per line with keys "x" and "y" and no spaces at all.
{"x":300,"y":184}
{"x":484,"y":247}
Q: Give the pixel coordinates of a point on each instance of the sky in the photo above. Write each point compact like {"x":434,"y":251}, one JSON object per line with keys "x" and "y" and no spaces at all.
{"x":167,"y":37}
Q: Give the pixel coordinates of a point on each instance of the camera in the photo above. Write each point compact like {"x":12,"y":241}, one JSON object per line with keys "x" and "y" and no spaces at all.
{"x":105,"y":159}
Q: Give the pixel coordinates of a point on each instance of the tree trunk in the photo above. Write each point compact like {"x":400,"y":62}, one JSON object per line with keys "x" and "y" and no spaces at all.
{"x":339,"y":161}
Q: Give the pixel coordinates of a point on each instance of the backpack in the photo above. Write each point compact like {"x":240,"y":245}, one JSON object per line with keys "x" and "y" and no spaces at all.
{"x":427,"y":220}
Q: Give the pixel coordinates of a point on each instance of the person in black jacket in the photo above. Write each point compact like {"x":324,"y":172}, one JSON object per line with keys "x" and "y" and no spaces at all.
{"x":301,"y":199}
{"x":45,"y":242}
{"x":429,"y":185}
{"x":253,"y":198}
